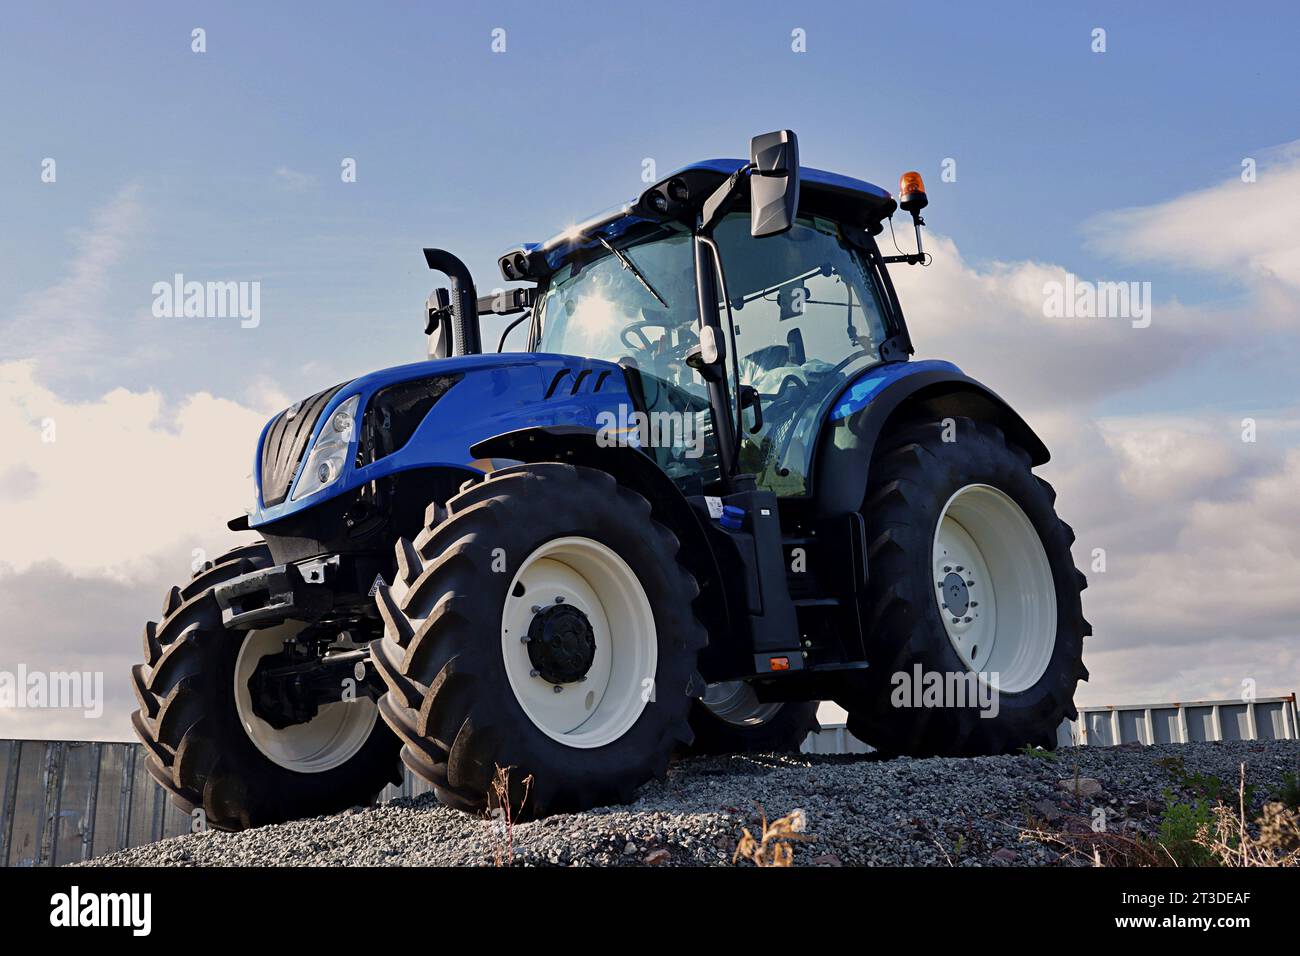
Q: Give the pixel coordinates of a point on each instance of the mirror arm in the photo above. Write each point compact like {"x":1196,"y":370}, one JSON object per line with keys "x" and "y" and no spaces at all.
{"x":717,"y":205}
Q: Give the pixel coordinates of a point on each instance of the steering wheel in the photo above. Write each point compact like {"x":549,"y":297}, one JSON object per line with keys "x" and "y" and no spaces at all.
{"x":637,"y":328}
{"x":644,"y":343}
{"x":788,"y":383}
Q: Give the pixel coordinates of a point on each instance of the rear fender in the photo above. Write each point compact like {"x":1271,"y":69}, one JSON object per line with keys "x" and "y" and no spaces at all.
{"x":890,"y":394}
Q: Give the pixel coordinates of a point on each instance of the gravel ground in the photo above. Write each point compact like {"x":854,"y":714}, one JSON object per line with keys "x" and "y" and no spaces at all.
{"x":859,"y":811}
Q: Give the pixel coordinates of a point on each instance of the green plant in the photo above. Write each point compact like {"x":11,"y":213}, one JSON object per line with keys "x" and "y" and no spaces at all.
{"x":1204,"y":786}
{"x":1029,"y":750}
{"x":1274,"y":840}
{"x":1289,"y":793}
{"x":1183,"y":830}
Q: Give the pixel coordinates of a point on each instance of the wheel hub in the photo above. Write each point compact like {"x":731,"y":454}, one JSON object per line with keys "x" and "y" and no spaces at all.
{"x":299,"y":718}
{"x":610,"y":669}
{"x":561,"y":644}
{"x":956,"y":595}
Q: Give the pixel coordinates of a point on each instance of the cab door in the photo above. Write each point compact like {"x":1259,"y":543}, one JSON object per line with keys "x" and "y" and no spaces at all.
{"x":807,"y":317}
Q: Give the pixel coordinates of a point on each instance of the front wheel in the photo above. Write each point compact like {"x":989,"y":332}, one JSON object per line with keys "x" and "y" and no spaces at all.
{"x":540,"y":628}
{"x":975,"y":622}
{"x":207,"y":744}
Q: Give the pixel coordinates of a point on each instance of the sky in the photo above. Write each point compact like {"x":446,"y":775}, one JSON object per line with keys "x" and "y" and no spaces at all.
{"x":1125,"y":164}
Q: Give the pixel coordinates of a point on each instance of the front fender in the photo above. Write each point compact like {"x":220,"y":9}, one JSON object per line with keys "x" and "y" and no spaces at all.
{"x":893,"y":392}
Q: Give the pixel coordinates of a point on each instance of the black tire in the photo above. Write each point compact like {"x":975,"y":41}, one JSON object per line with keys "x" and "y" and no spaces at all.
{"x":912,"y":478}
{"x":784,"y":732}
{"x":197,"y":748}
{"x":449,"y":696}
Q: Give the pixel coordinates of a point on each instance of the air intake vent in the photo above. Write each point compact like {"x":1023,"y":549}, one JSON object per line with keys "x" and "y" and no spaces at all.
{"x":395,"y":412}
{"x":286,"y":440}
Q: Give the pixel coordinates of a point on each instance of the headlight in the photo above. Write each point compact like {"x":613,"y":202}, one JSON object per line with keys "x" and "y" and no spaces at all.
{"x":329,"y":454}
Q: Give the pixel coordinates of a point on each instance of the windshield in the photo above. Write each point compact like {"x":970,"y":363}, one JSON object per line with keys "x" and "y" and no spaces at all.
{"x":806,"y":319}
{"x":631,"y":300}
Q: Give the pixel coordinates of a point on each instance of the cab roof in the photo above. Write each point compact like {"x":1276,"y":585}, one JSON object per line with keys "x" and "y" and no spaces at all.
{"x":855,"y":202}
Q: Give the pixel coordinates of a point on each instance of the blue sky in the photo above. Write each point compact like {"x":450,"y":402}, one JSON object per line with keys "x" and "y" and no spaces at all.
{"x":461,"y":147}
{"x":225,"y":165}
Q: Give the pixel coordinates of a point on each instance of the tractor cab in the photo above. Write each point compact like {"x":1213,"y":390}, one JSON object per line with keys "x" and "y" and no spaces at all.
{"x":736,"y":329}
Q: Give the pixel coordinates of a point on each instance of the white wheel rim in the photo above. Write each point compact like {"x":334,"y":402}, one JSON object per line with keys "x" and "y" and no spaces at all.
{"x":328,"y":740}
{"x":737,"y":703}
{"x":587,"y":575}
{"x":993,"y":584}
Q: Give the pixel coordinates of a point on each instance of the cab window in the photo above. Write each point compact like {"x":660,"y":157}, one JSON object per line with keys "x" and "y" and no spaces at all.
{"x":808,"y":319}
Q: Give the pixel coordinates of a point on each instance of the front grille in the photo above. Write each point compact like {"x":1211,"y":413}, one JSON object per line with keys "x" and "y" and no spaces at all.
{"x":286,"y":441}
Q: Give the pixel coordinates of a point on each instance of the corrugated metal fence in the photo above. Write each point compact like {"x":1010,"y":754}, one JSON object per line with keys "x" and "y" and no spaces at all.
{"x":1268,"y":718}
{"x":71,"y":800}
{"x":65,"y":801}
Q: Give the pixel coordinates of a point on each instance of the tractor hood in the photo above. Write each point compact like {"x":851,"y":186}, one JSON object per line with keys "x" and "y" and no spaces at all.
{"x":423,"y":415}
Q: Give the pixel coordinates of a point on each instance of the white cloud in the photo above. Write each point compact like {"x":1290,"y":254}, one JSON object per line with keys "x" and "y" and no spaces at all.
{"x":1198,"y":530}
{"x":100,"y":522}
{"x":64,"y":322}
{"x":294,"y":180}
{"x":991,"y":321}
{"x":124,"y":479}
{"x":1245,"y":232}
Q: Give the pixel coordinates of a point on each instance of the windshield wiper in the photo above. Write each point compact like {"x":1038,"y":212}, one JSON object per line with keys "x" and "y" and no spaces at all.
{"x":631,"y":267}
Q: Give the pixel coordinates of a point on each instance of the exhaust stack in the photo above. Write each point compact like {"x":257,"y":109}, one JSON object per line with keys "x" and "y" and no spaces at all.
{"x":452,"y":315}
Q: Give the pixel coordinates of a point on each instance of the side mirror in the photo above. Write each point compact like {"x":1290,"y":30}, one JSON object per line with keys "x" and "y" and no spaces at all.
{"x":774,"y":182}
{"x":437,"y":324}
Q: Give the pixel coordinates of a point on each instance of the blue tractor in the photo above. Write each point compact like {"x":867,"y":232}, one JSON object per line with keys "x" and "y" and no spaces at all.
{"x":713,"y":491}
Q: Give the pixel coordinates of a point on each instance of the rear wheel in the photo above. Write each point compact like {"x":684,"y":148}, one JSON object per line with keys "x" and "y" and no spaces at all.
{"x":541,"y":625}
{"x":975,"y":623}
{"x":206,"y":744}
{"x":730,"y":718}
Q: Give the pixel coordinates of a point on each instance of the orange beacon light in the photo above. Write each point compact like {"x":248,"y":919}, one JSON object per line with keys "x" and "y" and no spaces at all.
{"x":911,"y":196}
{"x":911,"y":192}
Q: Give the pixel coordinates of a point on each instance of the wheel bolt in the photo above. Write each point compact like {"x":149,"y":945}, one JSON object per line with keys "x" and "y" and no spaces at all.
{"x":559,"y":600}
{"x":557,"y":688}
{"x":525,"y":639}
{"x":970,"y":584}
{"x":536,"y":609}
{"x":534,"y":673}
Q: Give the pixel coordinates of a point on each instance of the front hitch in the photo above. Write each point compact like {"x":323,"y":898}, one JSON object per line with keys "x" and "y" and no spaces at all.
{"x":290,"y":687}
